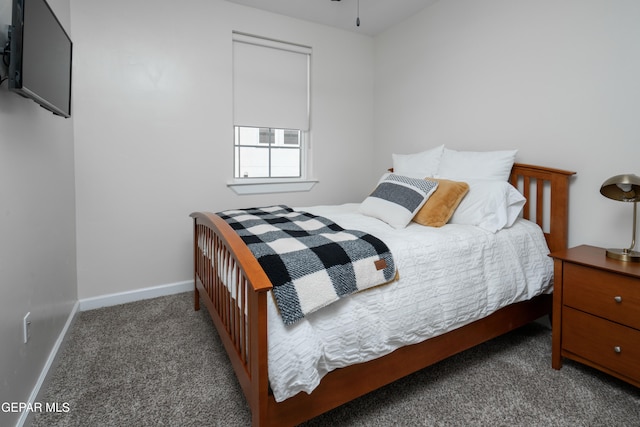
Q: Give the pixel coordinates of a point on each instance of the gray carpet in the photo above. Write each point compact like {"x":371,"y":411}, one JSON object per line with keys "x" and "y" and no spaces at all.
{"x":157,"y":362}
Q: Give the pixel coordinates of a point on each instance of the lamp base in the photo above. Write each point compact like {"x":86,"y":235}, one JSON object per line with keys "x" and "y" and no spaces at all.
{"x":624,"y":255}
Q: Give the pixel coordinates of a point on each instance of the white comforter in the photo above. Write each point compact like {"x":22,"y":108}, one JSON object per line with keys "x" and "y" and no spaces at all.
{"x":449,"y":276}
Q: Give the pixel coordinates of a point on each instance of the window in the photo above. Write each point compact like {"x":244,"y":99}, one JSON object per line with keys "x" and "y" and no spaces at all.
{"x":270,"y":109}
{"x":267,"y":153}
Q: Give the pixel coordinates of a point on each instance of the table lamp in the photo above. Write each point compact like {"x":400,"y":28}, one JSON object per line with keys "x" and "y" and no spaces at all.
{"x":624,"y":188}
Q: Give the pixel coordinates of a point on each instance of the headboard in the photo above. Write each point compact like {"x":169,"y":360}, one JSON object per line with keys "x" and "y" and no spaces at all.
{"x":547,"y":194}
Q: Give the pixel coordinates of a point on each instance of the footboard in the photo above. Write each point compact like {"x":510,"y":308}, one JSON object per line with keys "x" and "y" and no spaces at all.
{"x":234,"y":289}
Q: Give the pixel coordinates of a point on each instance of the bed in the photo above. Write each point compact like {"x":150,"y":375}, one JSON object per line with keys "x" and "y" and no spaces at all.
{"x":242,"y":310}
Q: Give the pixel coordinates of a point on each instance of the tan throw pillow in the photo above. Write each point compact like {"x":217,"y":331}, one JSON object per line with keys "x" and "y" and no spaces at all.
{"x":442,"y":203}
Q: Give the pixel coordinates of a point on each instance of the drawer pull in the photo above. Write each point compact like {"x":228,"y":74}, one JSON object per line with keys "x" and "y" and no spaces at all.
{"x":617,"y":298}
{"x":617,"y":349}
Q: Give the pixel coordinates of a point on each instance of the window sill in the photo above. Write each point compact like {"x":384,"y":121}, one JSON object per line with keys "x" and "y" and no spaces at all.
{"x":243,"y":187}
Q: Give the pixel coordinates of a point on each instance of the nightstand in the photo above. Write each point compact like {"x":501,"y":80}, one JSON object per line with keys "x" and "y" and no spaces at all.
{"x":596,"y":312}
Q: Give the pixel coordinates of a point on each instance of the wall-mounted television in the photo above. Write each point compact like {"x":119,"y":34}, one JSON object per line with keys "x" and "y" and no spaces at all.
{"x":40,"y":56}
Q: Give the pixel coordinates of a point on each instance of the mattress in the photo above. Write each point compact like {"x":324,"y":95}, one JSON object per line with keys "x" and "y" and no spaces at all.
{"x":448,"y":277}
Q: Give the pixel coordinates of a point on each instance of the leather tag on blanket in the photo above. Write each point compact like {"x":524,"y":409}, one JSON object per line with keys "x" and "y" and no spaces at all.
{"x":380,"y":264}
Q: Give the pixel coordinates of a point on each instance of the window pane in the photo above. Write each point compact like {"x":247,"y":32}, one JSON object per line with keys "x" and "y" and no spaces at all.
{"x":288,"y":137}
{"x":285,"y":162}
{"x":252,"y":162}
{"x":247,"y":136}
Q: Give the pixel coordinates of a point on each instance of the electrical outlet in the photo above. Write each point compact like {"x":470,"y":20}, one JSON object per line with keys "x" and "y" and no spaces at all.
{"x":26,"y":327}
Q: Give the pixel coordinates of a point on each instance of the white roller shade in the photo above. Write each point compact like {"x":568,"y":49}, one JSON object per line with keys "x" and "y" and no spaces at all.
{"x":270,"y":83}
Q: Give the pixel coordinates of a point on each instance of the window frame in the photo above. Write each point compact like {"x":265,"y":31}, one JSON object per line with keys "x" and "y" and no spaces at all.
{"x":249,"y":185}
{"x":271,"y":146}
{"x":275,"y":184}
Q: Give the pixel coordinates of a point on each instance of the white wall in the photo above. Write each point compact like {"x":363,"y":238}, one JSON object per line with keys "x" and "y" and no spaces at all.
{"x":557,"y":80}
{"x":153,"y":129}
{"x":37,"y":231}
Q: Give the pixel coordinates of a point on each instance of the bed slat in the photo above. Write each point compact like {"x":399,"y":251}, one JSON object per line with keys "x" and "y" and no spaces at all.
{"x":557,"y":208}
{"x":222,"y":267}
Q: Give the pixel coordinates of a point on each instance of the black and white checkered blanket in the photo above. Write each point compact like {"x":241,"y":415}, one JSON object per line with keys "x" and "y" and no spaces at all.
{"x":310,"y":260}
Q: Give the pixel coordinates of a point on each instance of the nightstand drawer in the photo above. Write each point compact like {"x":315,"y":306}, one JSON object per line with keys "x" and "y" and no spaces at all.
{"x":609,"y":295}
{"x":605,"y":343}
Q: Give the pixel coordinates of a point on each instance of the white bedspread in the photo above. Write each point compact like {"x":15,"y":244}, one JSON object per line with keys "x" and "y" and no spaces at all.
{"x":449,"y":276}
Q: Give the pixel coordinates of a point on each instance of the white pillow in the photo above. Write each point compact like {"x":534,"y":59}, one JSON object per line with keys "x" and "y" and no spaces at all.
{"x":420,"y":165}
{"x":489,"y":204}
{"x":397,"y":198}
{"x":464,"y":165}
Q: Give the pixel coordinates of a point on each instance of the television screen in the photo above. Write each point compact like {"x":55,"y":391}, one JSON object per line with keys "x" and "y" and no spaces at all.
{"x":40,"y":59}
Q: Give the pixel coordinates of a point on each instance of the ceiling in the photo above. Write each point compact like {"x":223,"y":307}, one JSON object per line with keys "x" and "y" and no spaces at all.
{"x":375,"y":15}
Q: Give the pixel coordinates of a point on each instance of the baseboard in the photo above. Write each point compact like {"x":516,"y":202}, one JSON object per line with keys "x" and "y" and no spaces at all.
{"x":24,"y":417}
{"x":90,"y":304}
{"x":135,"y":295}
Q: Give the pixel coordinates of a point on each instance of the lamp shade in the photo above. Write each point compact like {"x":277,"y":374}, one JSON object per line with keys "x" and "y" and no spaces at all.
{"x":624,"y":188}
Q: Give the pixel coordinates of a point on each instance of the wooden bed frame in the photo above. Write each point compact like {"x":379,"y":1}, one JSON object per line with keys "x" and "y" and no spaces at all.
{"x":220,"y":257}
